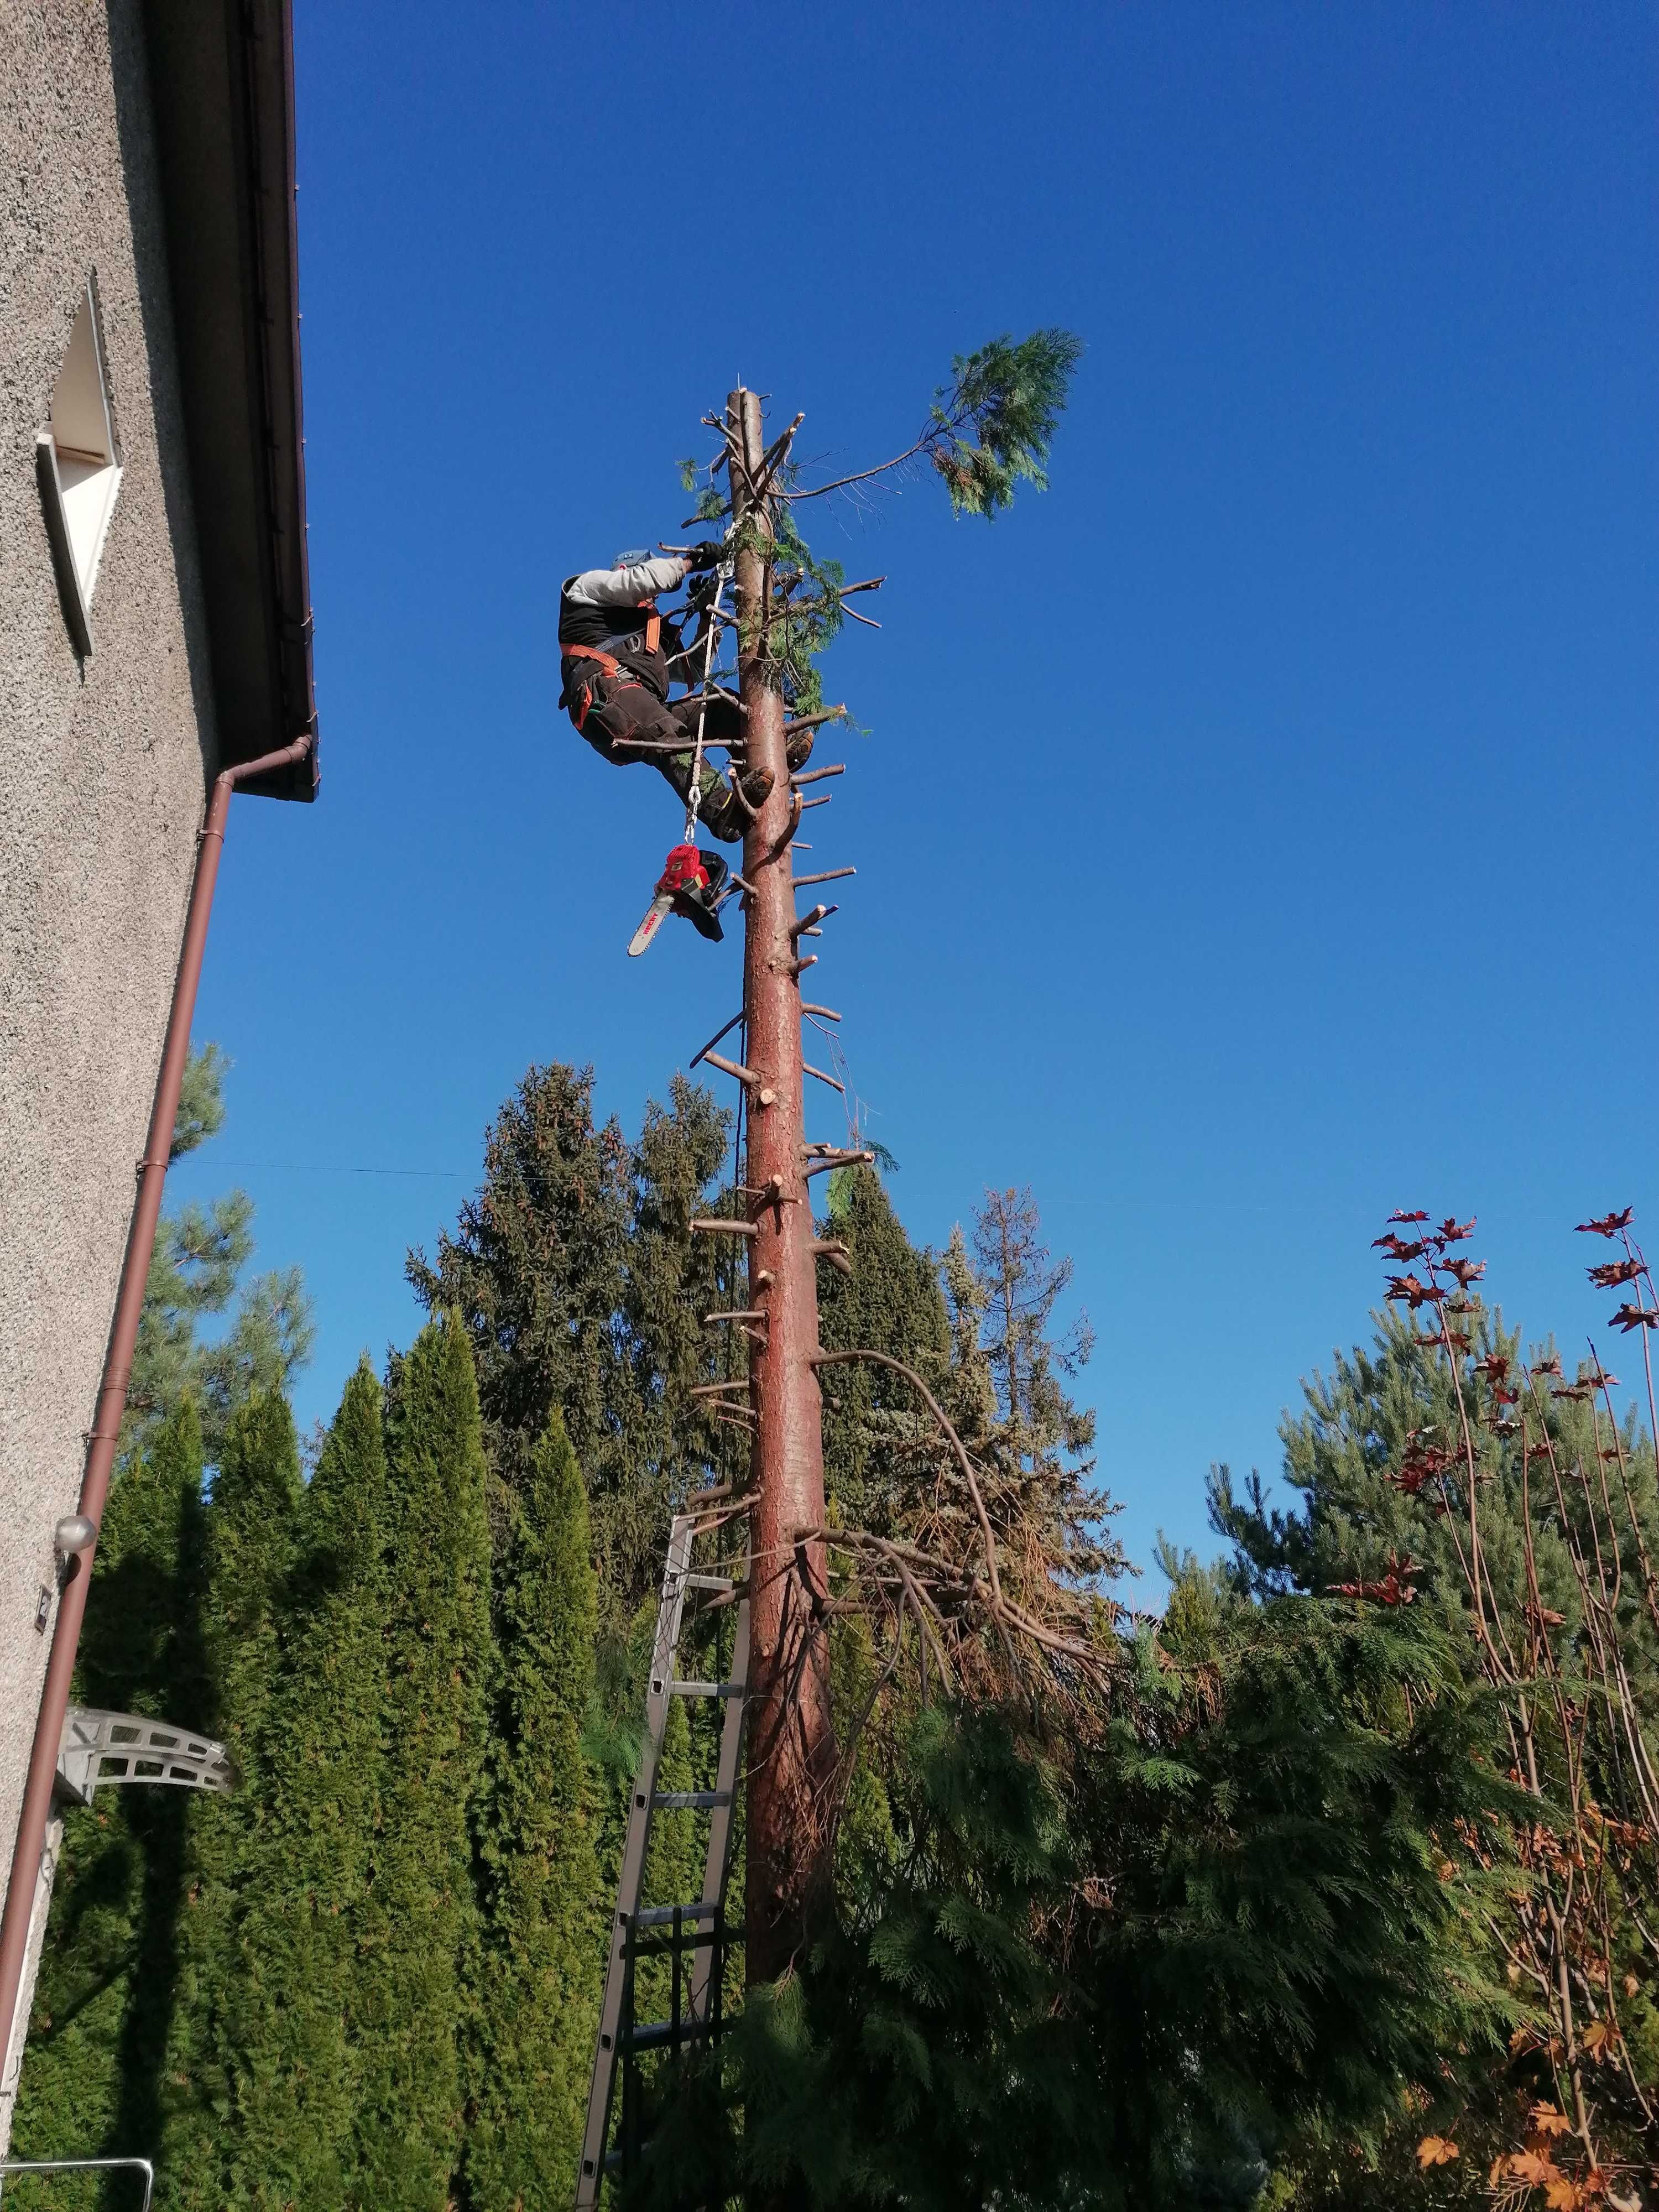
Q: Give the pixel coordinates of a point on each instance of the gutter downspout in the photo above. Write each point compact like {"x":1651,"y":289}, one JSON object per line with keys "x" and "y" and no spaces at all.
{"x":105,"y":1430}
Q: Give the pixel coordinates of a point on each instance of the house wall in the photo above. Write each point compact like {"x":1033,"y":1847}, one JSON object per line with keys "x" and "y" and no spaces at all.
{"x":103,"y":765}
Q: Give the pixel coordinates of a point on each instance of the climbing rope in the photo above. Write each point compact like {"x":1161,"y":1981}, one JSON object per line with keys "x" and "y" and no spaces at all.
{"x":712,"y":619}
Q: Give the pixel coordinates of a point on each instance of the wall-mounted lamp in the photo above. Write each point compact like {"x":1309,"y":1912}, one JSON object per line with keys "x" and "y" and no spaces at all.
{"x":75,"y":1533}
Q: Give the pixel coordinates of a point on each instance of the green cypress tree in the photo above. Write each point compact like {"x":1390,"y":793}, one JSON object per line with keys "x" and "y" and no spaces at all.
{"x":250,"y":1529}
{"x":544,"y":1923}
{"x":420,"y":1933}
{"x":104,"y":1998}
{"x":290,"y":2013}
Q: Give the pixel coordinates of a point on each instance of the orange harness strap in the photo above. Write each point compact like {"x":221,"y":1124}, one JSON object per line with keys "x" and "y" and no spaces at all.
{"x":607,"y":661}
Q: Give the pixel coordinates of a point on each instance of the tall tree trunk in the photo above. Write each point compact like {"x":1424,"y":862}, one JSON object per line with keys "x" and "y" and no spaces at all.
{"x":791,"y":1750}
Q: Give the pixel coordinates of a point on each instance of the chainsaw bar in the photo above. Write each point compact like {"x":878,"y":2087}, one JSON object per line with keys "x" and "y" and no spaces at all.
{"x":645,"y":935}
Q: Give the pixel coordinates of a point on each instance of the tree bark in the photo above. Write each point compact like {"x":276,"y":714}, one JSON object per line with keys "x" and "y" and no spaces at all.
{"x":791,"y":1746}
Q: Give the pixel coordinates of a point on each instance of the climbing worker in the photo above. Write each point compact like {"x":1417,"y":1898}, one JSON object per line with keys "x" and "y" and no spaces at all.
{"x":618,"y":656}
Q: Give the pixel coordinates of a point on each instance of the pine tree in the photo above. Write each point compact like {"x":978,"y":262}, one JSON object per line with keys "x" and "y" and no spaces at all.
{"x":103,"y":1999}
{"x":250,"y":1529}
{"x":196,"y":1271}
{"x":420,"y":1932}
{"x":890,"y":1303}
{"x":291,"y":2010}
{"x":544,"y":1923}
{"x":570,"y":1270}
{"x":1010,"y":1385}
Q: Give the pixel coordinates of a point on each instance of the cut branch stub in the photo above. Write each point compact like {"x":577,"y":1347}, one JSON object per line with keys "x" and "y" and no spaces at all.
{"x":753,"y":1083}
{"x":718,"y":1227}
{"x":836,"y":1251}
{"x":811,"y":920}
{"x":807,"y":1068}
{"x":824,"y":876}
{"x":817,"y":775}
{"x":813,"y":721}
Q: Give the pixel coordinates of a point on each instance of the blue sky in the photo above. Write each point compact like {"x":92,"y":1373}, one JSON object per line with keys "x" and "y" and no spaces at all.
{"x":1251,"y":831}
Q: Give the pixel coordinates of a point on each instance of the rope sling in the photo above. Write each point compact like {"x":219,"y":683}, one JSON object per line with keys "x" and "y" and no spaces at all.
{"x":712,"y":619}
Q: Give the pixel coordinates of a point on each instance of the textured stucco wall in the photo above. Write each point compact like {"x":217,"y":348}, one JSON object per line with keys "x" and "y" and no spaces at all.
{"x":102,"y":771}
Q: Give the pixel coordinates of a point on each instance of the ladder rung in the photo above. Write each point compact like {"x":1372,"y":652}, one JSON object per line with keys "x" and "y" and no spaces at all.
{"x":687,"y":1688}
{"x":662,"y":1916}
{"x":656,"y":2033}
{"x":689,"y":1801}
{"x":710,"y":1581}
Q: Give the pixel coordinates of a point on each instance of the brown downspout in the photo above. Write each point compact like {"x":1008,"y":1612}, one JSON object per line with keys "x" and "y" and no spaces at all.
{"x":112,"y":1392}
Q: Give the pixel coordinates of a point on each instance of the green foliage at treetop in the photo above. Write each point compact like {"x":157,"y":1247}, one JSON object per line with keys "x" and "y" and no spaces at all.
{"x":992,"y":427}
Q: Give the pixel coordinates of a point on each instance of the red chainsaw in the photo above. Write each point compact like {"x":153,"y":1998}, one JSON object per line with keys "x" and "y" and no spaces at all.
{"x":690,"y":885}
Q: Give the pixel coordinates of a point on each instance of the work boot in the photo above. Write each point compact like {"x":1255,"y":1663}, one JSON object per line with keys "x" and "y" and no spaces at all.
{"x":798,"y":751}
{"x":720,"y":813}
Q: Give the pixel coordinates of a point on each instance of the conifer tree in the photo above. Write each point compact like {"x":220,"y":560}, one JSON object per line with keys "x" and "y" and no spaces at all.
{"x":291,"y":2013}
{"x":251,"y":1527}
{"x":563,"y":1271}
{"x":104,"y":1998}
{"x":196,"y":1271}
{"x":1011,"y":1373}
{"x":890,"y":1303}
{"x":544,"y":1923}
{"x":420,"y":1934}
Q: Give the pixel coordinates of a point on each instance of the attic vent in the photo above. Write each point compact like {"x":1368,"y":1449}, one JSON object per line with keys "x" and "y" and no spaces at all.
{"x":80,"y":469}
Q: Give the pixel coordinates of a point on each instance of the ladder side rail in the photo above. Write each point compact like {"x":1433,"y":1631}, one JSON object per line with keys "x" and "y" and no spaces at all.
{"x":706,"y":1963}
{"x":619,"y":1967}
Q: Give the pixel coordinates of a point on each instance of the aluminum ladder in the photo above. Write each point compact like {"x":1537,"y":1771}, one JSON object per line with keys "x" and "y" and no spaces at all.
{"x":617,"y":2040}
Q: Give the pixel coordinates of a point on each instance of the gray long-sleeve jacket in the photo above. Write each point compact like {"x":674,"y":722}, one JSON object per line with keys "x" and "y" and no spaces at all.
{"x":626,"y":587}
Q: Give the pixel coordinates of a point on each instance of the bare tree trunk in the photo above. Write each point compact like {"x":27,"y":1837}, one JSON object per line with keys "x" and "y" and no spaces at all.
{"x":791,"y":1749}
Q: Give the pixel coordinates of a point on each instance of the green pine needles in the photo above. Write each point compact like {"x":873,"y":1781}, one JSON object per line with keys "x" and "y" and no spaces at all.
{"x":992,"y":427}
{"x":988,"y":430}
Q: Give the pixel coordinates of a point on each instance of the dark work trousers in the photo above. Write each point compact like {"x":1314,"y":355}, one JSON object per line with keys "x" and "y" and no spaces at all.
{"x":618,"y":715}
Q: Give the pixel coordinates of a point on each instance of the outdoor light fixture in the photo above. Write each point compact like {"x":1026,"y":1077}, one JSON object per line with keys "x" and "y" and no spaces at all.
{"x":75,"y":1533}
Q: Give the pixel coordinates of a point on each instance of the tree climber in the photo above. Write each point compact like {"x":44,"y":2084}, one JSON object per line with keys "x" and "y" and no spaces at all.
{"x":618,"y":657}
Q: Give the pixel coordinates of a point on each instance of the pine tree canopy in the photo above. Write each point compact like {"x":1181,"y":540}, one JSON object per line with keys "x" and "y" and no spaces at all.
{"x":993,"y":425}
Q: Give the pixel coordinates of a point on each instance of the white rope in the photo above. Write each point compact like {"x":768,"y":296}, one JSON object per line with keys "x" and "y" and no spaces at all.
{"x":694,"y":797}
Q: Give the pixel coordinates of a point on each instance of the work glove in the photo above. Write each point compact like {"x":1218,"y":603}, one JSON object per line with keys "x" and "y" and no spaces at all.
{"x":708,"y":554}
